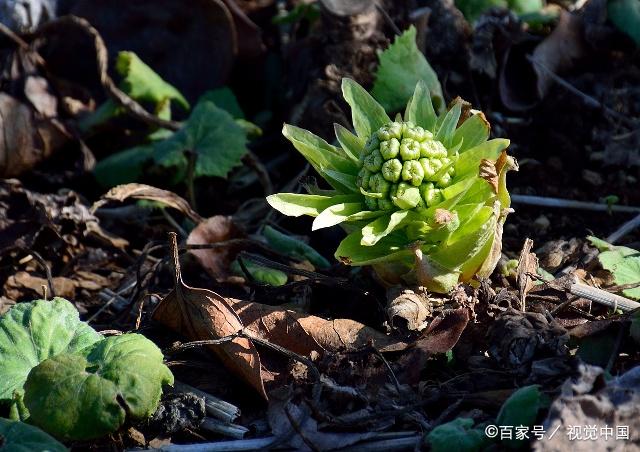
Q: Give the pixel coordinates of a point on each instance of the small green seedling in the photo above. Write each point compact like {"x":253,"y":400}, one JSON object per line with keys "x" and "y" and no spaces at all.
{"x":423,"y":197}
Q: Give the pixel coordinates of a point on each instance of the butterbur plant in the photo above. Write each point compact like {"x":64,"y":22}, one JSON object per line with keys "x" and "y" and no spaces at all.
{"x":422,"y":198}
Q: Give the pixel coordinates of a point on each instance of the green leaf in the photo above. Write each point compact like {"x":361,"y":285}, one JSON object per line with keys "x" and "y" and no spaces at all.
{"x":32,"y":332}
{"x":298,"y":204}
{"x":262,"y":274}
{"x":401,"y":67}
{"x":143,"y":84}
{"x":625,"y":15}
{"x":99,"y":387}
{"x":469,"y":161}
{"x":367,"y":114}
{"x":624,"y":265}
{"x":444,"y":133}
{"x":225,"y":99}
{"x":457,"y":435}
{"x":293,"y":247}
{"x":521,"y":408}
{"x":123,"y":167}
{"x":329,"y":161}
{"x":373,"y":232}
{"x":420,"y":107}
{"x":212,"y":134}
{"x":473,"y":132}
{"x":16,"y":436}
{"x":339,"y":213}
{"x":351,"y":144}
{"x":389,"y":249}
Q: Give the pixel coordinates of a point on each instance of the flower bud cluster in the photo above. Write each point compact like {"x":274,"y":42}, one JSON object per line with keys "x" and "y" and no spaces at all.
{"x":403,"y":167}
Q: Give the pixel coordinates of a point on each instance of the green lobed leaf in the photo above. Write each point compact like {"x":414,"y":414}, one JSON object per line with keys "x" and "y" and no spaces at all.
{"x":98,"y":387}
{"x":366,"y":113}
{"x":211,"y":133}
{"x":33,"y":332}
{"x":420,"y":107}
{"x":225,"y":99}
{"x":622,"y":262}
{"x":123,"y":167}
{"x":16,"y":436}
{"x":401,"y":67}
{"x":457,"y":435}
{"x":143,"y":84}
{"x":293,"y":247}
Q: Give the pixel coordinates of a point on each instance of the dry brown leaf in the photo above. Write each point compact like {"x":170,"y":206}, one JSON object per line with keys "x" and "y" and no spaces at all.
{"x":303,"y":333}
{"x":215,"y":261}
{"x":444,"y":331}
{"x":527,"y":263}
{"x":142,"y":191}
{"x":559,"y":51}
{"x":27,"y":140}
{"x":201,"y":314}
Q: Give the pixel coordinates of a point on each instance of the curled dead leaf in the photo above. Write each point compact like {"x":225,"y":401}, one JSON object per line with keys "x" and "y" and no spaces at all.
{"x":216,"y":261}
{"x":141,"y":191}
{"x":201,"y":314}
{"x":28,"y":139}
{"x":303,"y":333}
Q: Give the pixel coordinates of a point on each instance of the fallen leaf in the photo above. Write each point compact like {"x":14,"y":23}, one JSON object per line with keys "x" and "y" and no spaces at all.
{"x":149,"y":193}
{"x":559,"y":51}
{"x":444,"y":331}
{"x":216,"y":261}
{"x":27,"y":140}
{"x":303,"y":333}
{"x":527,"y":263}
{"x":201,"y":314}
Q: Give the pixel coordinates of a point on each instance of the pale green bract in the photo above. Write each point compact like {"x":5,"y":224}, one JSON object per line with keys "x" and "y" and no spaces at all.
{"x":423,"y":197}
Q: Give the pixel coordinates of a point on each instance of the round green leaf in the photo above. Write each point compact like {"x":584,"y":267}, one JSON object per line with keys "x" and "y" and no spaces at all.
{"x":35,"y":331}
{"x":89,"y":394}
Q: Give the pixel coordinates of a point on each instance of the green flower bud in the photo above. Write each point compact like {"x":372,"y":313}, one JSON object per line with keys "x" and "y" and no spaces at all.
{"x":405,"y":196}
{"x":371,"y":203}
{"x":393,"y":130}
{"x":378,"y":184}
{"x":430,"y":194}
{"x":391,"y":170}
{"x":409,"y":149}
{"x":412,"y":172}
{"x":363,"y":178}
{"x":373,"y":161}
{"x":432,"y":149}
{"x":389,"y":149}
{"x":371,"y":145}
{"x":385,"y":204}
{"x":416,"y":133}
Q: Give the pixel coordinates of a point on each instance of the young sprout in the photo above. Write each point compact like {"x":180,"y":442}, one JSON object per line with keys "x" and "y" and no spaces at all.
{"x":423,"y":198}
